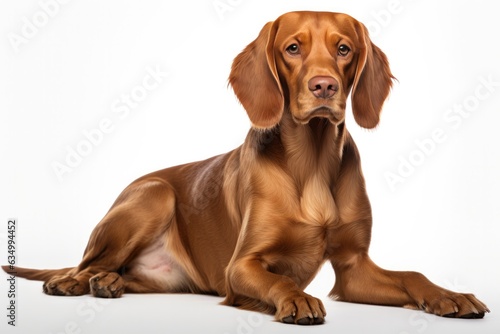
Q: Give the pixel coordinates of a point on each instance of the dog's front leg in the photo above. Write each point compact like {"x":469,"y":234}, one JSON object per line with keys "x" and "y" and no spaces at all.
{"x":364,"y":282}
{"x":249,"y":282}
{"x":274,"y":259}
{"x":359,"y":279}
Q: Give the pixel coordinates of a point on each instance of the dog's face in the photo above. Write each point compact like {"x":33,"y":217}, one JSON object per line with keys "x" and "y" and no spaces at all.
{"x":316,"y":56}
{"x":306,"y":63}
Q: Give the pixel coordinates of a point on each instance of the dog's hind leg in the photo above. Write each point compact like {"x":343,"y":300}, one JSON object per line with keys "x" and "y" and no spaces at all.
{"x":140,"y":216}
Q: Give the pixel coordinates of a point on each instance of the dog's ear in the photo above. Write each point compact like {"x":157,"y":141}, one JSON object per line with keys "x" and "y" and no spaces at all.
{"x":372,"y":82}
{"x":255,"y":82}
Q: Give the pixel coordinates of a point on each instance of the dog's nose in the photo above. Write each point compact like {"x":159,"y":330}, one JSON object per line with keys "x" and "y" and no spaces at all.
{"x":323,"y":87}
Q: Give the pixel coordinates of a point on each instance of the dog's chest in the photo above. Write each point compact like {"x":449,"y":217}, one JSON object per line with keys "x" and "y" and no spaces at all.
{"x":317,"y":205}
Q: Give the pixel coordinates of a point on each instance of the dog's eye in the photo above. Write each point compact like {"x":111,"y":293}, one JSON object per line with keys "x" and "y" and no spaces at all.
{"x":293,"y":49}
{"x":343,"y":50}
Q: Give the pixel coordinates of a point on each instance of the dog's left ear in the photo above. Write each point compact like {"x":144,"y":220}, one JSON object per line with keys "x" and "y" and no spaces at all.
{"x":372,"y":82}
{"x":255,"y":82}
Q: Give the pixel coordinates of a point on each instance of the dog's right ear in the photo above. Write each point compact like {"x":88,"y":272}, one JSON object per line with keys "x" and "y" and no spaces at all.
{"x":255,"y":81}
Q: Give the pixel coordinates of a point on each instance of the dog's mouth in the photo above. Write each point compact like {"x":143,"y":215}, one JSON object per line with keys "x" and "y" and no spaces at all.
{"x":321,"y":112}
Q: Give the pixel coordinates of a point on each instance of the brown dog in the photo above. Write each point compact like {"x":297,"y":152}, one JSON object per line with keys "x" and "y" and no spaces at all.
{"x":256,"y":224}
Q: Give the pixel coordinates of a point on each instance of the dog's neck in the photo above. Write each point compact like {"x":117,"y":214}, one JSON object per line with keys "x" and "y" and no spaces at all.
{"x":313,"y":149}
{"x":305,"y":150}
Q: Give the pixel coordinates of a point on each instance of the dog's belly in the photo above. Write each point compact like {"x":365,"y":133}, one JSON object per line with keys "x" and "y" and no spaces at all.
{"x":157,"y":264}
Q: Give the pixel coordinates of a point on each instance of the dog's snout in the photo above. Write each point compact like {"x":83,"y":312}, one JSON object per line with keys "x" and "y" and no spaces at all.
{"x":323,"y":87}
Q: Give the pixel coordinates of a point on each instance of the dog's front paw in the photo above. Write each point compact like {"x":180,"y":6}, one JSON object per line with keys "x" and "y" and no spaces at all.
{"x":65,"y":286}
{"x":302,"y":309}
{"x":454,"y":305}
{"x":107,"y":285}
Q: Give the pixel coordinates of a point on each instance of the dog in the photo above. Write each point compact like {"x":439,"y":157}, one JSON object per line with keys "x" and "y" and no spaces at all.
{"x":256,"y":224}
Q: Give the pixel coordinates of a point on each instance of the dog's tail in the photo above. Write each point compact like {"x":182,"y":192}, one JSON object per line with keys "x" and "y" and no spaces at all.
{"x":35,"y":274}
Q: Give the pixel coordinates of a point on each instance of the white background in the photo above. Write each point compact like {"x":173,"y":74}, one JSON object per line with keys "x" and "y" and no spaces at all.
{"x":70,"y":73}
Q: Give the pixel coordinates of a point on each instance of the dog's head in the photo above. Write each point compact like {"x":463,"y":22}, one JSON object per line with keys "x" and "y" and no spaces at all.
{"x":306,"y":63}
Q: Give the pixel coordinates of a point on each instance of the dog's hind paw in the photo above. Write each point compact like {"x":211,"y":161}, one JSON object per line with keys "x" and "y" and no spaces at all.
{"x":107,"y":285}
{"x":65,"y":286}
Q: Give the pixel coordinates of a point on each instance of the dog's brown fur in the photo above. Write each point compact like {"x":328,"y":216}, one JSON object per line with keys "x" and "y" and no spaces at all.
{"x":256,"y":224}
